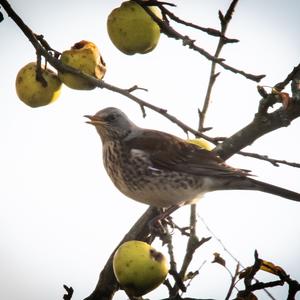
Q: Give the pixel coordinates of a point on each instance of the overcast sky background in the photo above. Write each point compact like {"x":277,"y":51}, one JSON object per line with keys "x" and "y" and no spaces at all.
{"x":61,"y":216}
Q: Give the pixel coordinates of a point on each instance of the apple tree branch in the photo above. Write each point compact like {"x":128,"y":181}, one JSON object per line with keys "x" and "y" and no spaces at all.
{"x":263,"y":122}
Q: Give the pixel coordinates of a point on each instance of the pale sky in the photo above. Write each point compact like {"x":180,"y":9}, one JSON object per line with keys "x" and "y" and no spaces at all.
{"x":61,"y":217}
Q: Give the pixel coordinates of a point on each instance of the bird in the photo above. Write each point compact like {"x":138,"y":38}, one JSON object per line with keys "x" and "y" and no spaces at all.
{"x":163,"y":170}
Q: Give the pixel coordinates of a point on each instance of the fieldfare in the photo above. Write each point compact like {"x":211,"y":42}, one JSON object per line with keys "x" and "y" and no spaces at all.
{"x":163,"y":170}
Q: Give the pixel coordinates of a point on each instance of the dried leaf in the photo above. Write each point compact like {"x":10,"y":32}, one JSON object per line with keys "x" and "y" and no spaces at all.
{"x":271,"y":268}
{"x":219,"y":260}
{"x":284,"y":97}
{"x":190,"y":275}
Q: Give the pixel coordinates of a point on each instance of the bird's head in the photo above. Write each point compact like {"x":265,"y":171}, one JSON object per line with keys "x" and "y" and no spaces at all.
{"x":111,"y":123}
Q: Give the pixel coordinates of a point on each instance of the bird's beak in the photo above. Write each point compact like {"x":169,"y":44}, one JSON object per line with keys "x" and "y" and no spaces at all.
{"x":94,"y":120}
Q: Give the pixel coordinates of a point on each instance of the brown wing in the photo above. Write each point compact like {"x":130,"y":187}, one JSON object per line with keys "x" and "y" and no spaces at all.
{"x":169,"y":152}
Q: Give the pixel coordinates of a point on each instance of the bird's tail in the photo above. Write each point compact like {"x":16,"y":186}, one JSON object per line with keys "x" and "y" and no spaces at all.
{"x":252,"y":184}
{"x":276,"y":190}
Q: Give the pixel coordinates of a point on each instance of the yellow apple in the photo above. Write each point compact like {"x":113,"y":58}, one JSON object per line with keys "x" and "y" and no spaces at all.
{"x":33,"y":92}
{"x":139,"y":268}
{"x":202,"y":143}
{"x":131,"y":28}
{"x":86,"y":57}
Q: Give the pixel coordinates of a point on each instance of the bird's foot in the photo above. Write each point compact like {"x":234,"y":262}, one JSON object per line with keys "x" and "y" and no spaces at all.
{"x":157,"y":227}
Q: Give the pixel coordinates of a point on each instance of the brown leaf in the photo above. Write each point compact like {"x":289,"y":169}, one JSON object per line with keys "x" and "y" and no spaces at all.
{"x":191,"y":275}
{"x":284,"y":97}
{"x":271,"y":268}
{"x":219,"y":260}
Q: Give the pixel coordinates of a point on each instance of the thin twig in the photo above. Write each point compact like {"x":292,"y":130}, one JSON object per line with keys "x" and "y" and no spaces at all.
{"x":45,"y":44}
{"x":159,"y":3}
{"x":168,"y":240}
{"x":262,"y":124}
{"x":281,"y":85}
{"x":273,"y":161}
{"x":233,"y":282}
{"x":135,"y":87}
{"x":210,"y":31}
{"x":227,"y":251}
{"x":186,"y":41}
{"x":224,"y":20}
{"x":69,"y":294}
{"x":193,"y":244}
{"x":57,"y":64}
{"x":195,"y":274}
{"x":249,"y":273}
{"x":107,"y":284}
{"x":219,"y":241}
{"x":38,"y":71}
{"x":232,"y":145}
{"x":193,"y":219}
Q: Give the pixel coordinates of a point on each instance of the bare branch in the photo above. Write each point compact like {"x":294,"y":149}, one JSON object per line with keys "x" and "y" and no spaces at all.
{"x":224,"y":20}
{"x":193,"y":244}
{"x":39,"y":76}
{"x":295,"y":86}
{"x":69,"y":294}
{"x":168,"y":240}
{"x":45,"y":44}
{"x":273,"y":161}
{"x":186,"y":41}
{"x":135,"y":87}
{"x":249,"y":273}
{"x":57,"y":64}
{"x":210,"y":31}
{"x":281,"y":85}
{"x":233,"y":282}
{"x":107,"y":284}
{"x":193,"y":219}
{"x":262,"y":124}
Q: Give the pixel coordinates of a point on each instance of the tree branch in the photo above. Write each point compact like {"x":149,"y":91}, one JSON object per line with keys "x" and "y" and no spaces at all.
{"x":259,"y":264}
{"x":261,"y":125}
{"x":186,"y":41}
{"x":273,"y":161}
{"x":263,"y":121}
{"x":57,"y":64}
{"x":281,"y":85}
{"x":166,"y":12}
{"x":224,"y":20}
{"x":107,"y":284}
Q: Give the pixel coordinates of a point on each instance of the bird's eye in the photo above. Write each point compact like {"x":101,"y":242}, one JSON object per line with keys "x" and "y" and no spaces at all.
{"x":111,"y":118}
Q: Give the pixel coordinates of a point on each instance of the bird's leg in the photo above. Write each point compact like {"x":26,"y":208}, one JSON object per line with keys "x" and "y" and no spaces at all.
{"x":166,"y":213}
{"x":183,"y":230}
{"x":156,"y":226}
